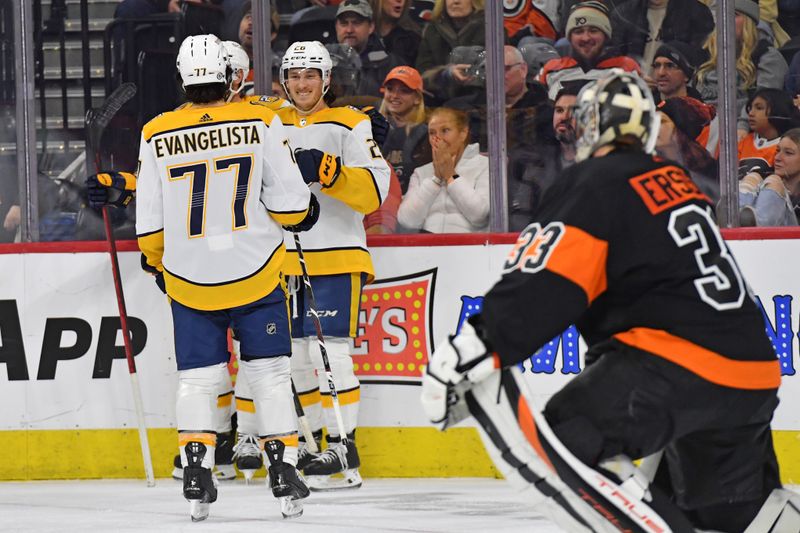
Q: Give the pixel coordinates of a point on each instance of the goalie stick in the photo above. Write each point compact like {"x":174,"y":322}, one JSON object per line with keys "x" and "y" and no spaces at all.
{"x":97,"y":120}
{"x":312,"y":307}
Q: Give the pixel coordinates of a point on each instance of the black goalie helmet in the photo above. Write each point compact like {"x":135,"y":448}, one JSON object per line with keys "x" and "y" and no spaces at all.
{"x":613,"y":107}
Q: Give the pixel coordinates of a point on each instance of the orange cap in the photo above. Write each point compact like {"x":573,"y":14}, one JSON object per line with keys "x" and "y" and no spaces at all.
{"x":408,"y":75}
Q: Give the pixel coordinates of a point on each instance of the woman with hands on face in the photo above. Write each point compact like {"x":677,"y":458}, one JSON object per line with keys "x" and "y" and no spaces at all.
{"x":450,"y":194}
{"x":773,"y":201}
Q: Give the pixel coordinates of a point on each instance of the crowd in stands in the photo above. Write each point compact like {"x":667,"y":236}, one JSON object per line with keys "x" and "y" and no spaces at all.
{"x":422,"y":63}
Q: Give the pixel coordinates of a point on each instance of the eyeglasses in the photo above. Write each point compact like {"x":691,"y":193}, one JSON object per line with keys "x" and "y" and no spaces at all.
{"x":509,"y":67}
{"x":666,"y":65}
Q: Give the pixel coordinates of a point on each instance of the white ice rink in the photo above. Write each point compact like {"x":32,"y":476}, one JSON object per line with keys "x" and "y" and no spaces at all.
{"x":404,"y":505}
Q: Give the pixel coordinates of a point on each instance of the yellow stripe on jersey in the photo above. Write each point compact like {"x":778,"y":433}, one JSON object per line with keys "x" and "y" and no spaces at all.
{"x":355,"y":302}
{"x":152,"y":246}
{"x":246,"y":405}
{"x":346,"y":397}
{"x":193,"y":116}
{"x":344,"y":116}
{"x":231,"y":294}
{"x":288,"y":218}
{"x":333,"y":261}
{"x":357,"y":188}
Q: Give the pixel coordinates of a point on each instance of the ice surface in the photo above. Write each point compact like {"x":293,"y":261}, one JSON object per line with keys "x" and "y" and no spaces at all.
{"x":404,"y":505}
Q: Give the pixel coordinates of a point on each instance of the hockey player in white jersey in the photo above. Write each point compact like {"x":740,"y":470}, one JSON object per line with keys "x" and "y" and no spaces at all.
{"x":342,"y":163}
{"x":216,"y":183}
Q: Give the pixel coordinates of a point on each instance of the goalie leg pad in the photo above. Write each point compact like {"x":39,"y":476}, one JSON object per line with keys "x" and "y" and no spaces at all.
{"x":781,"y":512}
{"x":575,"y":496}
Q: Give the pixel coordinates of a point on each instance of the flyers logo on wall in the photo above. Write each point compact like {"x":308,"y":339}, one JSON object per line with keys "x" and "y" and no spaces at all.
{"x":395,"y":333}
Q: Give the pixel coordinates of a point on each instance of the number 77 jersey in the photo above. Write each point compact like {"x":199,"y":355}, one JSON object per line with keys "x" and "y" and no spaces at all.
{"x":626,"y":247}
{"x":214,"y":186}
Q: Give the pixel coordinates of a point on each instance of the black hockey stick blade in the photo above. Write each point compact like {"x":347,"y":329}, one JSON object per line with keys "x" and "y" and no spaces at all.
{"x":97,"y":119}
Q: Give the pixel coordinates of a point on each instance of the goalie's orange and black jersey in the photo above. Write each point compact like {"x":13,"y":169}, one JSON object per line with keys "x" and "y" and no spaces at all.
{"x":626,"y":248}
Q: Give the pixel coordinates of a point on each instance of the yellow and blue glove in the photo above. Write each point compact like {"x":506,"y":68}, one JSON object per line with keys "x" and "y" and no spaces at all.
{"x":110,"y":188}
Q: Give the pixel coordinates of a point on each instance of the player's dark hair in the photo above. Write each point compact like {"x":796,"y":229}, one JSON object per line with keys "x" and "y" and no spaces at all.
{"x":206,"y":93}
{"x":331,"y":95}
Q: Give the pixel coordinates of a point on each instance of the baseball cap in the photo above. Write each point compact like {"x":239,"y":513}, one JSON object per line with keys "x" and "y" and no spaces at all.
{"x":407,"y":75}
{"x":359,"y":7}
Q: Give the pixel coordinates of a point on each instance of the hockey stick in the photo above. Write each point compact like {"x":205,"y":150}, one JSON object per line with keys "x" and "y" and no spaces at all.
{"x":302,"y":419}
{"x":96,"y":122}
{"x":312,"y":307}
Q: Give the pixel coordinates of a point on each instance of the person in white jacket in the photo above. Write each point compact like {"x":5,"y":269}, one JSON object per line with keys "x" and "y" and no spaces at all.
{"x":450,"y":194}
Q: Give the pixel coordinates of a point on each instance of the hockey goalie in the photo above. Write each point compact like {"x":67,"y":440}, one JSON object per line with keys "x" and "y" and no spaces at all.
{"x":626,"y":247}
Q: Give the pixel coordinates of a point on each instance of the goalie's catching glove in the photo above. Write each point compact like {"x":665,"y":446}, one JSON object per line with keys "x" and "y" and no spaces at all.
{"x":455,"y":365}
{"x":318,"y":166}
{"x":311,"y":217}
{"x":110,"y":188}
{"x":380,"y":126}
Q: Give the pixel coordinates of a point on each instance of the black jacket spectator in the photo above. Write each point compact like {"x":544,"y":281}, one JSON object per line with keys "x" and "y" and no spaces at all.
{"x":688,"y":21}
{"x":376,"y":62}
{"x":403,"y":43}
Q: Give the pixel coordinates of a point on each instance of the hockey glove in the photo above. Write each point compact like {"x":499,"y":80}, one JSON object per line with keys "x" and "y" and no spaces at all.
{"x":318,"y":166}
{"x":455,"y":365}
{"x":380,"y":126}
{"x":110,"y":188}
{"x":311,"y":217}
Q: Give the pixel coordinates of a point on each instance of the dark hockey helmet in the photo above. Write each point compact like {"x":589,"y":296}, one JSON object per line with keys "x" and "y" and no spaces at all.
{"x":612,"y":108}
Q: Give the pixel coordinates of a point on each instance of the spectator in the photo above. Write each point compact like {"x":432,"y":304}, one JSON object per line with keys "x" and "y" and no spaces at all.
{"x":524,"y":18}
{"x":673,"y":68}
{"x":682,"y":120}
{"x":789,"y":16}
{"x":450,"y":194}
{"x":384,"y":220}
{"x":400,"y":35}
{"x":640,"y":26}
{"x":455,"y":23}
{"x":406,"y":146}
{"x":354,"y":27}
{"x":532,"y":172}
{"x":521,"y":99}
{"x":770,"y":114}
{"x":774,"y":201}
{"x":758,"y":63}
{"x":588,"y":32}
{"x":246,"y":29}
{"x":768,"y":13}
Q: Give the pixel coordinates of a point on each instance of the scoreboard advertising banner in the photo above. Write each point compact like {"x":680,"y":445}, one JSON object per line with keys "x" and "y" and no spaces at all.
{"x":63,"y":371}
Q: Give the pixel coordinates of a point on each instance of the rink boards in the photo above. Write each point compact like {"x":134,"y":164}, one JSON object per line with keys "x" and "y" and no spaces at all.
{"x":66,"y":395}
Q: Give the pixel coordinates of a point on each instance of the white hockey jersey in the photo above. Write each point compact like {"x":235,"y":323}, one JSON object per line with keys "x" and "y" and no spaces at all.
{"x":337,"y":244}
{"x":214,"y":186}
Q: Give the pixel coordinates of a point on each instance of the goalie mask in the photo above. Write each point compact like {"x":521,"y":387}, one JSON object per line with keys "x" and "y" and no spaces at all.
{"x":614,"y":107}
{"x":202,"y":60}
{"x":307,"y":54}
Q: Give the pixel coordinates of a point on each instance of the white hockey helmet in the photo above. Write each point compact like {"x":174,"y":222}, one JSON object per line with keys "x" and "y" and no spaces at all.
{"x":202,"y":60}
{"x":237,"y":57}
{"x":307,"y":54}
{"x":613,"y":107}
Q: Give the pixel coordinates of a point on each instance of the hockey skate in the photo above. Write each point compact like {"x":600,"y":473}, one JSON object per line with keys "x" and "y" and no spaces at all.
{"x":247,"y":455}
{"x":336,"y":459}
{"x":304,"y":456}
{"x":285,"y":481}
{"x":223,"y":459}
{"x":199,"y":485}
